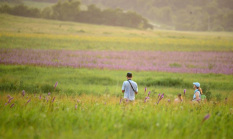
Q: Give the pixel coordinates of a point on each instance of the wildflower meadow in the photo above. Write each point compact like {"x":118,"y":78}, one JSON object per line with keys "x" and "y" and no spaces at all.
{"x":63,"y":80}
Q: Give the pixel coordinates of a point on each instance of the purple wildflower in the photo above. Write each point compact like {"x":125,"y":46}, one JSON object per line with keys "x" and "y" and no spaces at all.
{"x":40,"y":96}
{"x":5,"y":103}
{"x":12,"y":105}
{"x":162,"y":96}
{"x":120,"y":100}
{"x":55,"y":85}
{"x":8,"y":96}
{"x":76,"y":106}
{"x":53,"y":99}
{"x":9,"y":101}
{"x":206,"y":117}
{"x":28,"y":101}
{"x":148,"y":93}
{"x":146,"y":99}
{"x":184,"y":91}
{"x":159,"y":95}
{"x":169,"y":100}
{"x":23,"y":93}
{"x":49,"y":94}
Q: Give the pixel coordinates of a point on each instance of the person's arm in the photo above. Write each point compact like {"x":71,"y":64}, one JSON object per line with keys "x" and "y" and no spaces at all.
{"x":136,"y":89}
{"x":197,"y":96}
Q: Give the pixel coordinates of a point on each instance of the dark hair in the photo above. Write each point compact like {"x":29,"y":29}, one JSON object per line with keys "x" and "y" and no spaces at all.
{"x":180,"y":97}
{"x":129,"y":74}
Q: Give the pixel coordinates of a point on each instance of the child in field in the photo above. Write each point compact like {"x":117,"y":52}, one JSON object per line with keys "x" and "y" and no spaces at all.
{"x":178,"y":99}
{"x":197,"y":92}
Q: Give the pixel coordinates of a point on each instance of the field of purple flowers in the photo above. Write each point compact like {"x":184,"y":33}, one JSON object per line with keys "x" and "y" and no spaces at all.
{"x":88,"y":102}
{"x":182,"y":62}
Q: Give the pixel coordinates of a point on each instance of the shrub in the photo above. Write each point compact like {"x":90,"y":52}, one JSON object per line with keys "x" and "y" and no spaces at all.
{"x":206,"y":91}
{"x":218,"y":97}
{"x":177,"y":82}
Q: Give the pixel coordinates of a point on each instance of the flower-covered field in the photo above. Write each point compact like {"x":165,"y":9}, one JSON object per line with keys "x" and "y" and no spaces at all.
{"x":88,"y":64}
{"x":182,"y":62}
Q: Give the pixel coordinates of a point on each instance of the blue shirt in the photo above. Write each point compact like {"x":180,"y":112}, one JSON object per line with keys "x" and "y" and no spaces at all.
{"x":196,"y":91}
{"x":129,"y":93}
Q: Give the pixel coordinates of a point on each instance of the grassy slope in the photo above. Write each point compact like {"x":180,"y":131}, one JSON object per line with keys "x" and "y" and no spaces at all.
{"x":20,"y":32}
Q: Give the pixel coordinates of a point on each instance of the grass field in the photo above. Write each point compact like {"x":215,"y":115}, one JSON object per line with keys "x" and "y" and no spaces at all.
{"x":46,"y":34}
{"x":86,"y":102}
{"x":104,"y":117}
{"x":102,"y":82}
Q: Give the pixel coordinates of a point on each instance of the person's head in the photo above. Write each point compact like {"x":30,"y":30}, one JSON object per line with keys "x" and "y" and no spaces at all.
{"x":197,"y":85}
{"x":180,"y":97}
{"x":129,"y":75}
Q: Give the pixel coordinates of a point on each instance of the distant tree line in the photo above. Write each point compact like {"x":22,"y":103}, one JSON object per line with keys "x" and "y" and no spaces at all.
{"x":50,"y":1}
{"x":13,"y":1}
{"x":192,"y":15}
{"x":70,"y":11}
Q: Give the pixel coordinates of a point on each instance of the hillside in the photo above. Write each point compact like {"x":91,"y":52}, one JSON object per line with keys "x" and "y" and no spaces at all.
{"x":192,"y":15}
{"x":74,"y":11}
{"x":29,"y":32}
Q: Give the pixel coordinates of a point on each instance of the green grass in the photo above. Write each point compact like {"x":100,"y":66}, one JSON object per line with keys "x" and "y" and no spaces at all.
{"x":98,"y":113}
{"x":20,"y":32}
{"x":104,"y":117}
{"x":101,"y":82}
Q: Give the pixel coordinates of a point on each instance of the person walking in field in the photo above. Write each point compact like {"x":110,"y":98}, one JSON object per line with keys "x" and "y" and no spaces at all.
{"x":197,"y":92}
{"x":178,"y":99}
{"x":129,"y":88}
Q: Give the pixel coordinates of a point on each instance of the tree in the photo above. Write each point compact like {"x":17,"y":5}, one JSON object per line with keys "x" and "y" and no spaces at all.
{"x":67,"y":10}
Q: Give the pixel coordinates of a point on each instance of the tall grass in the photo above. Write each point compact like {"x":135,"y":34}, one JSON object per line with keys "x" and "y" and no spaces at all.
{"x":84,"y":116}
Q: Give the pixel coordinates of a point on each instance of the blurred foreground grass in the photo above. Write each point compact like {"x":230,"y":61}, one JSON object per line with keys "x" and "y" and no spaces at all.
{"x":85,"y":116}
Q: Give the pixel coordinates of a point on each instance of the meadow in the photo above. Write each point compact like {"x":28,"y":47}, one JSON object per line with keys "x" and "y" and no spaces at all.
{"x":89,"y":64}
{"x":72,"y":116}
